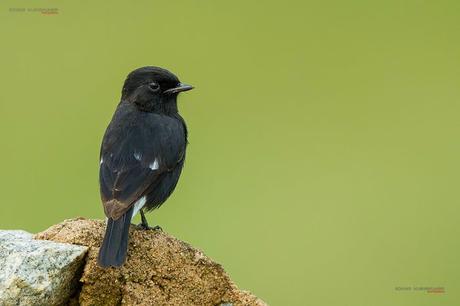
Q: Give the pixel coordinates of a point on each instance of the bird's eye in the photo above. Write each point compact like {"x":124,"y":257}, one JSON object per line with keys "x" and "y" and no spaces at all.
{"x":154,"y":86}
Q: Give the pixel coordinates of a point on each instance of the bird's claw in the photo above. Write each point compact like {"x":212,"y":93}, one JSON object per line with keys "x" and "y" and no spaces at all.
{"x":157,"y":228}
{"x":144,"y":227}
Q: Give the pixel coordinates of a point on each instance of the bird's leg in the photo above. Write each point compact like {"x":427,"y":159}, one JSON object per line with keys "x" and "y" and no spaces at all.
{"x":144,"y":220}
{"x":144,"y":224}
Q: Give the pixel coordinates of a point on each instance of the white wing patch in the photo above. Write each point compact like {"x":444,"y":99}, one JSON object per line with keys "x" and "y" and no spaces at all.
{"x":137,"y":156}
{"x":138,"y":205}
{"x":154,"y":165}
{"x":101,"y":161}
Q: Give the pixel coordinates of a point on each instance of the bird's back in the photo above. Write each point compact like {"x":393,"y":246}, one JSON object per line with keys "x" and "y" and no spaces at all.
{"x":142,"y":154}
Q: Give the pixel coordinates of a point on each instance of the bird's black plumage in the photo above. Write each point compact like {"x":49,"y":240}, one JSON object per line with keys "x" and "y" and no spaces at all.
{"x":142,"y":154}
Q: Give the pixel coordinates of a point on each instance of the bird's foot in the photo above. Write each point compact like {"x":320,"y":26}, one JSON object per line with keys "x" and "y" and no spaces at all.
{"x":144,"y":224}
{"x":144,"y":227}
{"x":157,"y":228}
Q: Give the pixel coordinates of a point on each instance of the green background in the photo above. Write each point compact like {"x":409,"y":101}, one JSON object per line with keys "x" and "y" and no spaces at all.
{"x":323,"y":166}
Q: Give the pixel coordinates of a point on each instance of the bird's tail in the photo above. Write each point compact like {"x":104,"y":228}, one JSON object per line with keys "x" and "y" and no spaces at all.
{"x":115,"y":244}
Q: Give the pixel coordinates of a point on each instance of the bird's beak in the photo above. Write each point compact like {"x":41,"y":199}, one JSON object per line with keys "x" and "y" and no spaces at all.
{"x":180,"y":87}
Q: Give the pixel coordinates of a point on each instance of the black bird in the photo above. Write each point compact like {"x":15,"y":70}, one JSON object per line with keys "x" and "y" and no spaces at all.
{"x":142,"y":155}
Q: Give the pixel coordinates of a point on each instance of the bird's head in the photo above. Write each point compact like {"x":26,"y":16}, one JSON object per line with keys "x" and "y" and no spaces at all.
{"x":153,"y":89}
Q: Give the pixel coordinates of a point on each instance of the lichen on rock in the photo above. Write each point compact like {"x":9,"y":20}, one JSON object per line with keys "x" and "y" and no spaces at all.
{"x":159,"y":270}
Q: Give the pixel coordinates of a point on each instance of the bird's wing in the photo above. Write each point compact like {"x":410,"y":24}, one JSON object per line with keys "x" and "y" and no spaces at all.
{"x":134,"y":158}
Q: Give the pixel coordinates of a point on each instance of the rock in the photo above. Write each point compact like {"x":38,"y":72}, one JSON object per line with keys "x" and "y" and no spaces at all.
{"x":35,"y":272}
{"x":159,"y":270}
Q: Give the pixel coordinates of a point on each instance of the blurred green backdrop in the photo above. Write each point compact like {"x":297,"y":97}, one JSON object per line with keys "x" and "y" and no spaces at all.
{"x":323,"y":165}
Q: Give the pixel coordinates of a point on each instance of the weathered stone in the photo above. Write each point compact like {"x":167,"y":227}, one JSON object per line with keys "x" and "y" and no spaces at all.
{"x":37,"y":272}
{"x":160,"y":270}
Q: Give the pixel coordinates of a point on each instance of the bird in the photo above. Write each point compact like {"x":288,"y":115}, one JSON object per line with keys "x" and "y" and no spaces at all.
{"x":141,"y":157}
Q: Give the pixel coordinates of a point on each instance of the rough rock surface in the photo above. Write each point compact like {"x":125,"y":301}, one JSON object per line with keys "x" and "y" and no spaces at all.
{"x":34,"y":272}
{"x":160,"y":270}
